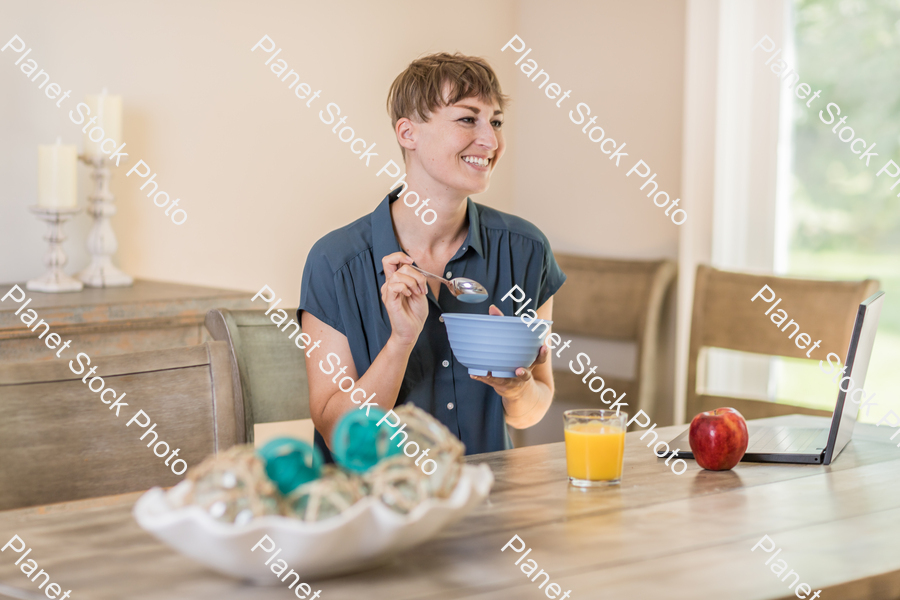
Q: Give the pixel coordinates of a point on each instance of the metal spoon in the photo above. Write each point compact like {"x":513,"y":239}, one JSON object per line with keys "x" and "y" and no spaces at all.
{"x":465,"y":289}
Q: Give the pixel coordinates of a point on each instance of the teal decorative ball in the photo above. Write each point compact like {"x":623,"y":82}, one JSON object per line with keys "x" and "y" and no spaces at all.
{"x":290,"y":463}
{"x":358,"y":443}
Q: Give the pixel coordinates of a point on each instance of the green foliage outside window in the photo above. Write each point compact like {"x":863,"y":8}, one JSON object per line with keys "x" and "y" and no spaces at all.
{"x":845,"y":221}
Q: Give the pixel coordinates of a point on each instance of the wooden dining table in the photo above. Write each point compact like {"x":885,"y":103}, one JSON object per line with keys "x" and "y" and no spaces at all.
{"x":657,"y":535}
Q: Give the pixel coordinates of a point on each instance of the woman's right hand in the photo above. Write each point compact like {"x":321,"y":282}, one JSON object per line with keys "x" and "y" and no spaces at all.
{"x":404,"y":294}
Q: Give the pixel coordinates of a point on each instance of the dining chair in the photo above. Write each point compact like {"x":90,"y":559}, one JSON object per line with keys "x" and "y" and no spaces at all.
{"x":725,"y":317}
{"x":62,"y":440}
{"x":606,"y":299}
{"x":268,"y":367}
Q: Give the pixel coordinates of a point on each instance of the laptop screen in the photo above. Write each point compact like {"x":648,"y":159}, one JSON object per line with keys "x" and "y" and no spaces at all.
{"x":857,"y":362}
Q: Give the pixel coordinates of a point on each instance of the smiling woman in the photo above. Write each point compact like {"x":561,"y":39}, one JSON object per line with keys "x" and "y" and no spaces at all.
{"x":363,"y":293}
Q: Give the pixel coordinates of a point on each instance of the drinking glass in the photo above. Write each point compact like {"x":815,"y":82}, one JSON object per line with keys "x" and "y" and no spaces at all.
{"x":595,"y":446}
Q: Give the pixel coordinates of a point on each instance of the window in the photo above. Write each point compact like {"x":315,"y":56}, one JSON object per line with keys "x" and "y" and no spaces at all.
{"x":842,"y":222}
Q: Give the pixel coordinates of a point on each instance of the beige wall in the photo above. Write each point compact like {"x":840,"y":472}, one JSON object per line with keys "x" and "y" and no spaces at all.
{"x":625,"y":60}
{"x":262,"y":178}
{"x":260,"y":175}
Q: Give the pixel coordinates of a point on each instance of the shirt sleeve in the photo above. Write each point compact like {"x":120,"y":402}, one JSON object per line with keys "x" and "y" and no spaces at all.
{"x":318,"y":294}
{"x":552,"y":277}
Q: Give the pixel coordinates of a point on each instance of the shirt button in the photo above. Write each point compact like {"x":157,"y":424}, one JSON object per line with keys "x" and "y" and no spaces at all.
{"x":441,"y":318}
{"x":450,"y":405}
{"x":449,"y":274}
{"x":446,"y":363}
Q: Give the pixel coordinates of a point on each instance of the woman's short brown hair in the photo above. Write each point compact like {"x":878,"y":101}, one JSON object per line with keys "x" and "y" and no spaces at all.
{"x":418,"y":91}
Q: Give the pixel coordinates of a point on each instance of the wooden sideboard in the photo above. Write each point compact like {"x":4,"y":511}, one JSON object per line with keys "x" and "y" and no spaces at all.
{"x":150,"y":315}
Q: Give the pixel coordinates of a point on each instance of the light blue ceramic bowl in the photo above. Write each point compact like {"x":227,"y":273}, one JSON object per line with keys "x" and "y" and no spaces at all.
{"x":500,"y":345}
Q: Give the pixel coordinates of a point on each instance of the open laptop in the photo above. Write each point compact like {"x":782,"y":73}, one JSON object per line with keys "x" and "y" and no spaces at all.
{"x":815,"y":445}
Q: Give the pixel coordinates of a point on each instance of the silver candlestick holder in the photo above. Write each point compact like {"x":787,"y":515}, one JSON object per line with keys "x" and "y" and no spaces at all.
{"x":101,"y":242}
{"x":55,"y":280}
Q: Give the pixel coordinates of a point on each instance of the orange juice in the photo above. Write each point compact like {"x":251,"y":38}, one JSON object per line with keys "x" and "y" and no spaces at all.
{"x":594,"y":451}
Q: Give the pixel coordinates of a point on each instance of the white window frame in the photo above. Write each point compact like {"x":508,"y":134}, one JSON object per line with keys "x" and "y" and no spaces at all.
{"x":733,"y":181}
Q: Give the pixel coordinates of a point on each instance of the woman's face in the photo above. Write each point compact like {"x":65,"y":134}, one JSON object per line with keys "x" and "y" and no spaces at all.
{"x":460,"y":144}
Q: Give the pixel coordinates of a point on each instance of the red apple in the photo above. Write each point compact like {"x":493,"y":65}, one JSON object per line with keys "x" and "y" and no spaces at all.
{"x":718,"y":438}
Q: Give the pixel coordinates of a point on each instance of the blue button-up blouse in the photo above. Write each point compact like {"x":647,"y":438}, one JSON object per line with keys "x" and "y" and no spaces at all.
{"x":341,"y":287}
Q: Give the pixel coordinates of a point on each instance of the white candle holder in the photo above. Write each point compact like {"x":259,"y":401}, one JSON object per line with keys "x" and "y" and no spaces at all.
{"x":55,"y":280}
{"x":101,"y":243}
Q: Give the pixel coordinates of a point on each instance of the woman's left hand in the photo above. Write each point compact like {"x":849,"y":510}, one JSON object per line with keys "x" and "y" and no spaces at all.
{"x":513,"y":388}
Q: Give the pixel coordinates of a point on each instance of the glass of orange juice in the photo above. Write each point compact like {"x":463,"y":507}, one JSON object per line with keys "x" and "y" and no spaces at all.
{"x":595,"y":446}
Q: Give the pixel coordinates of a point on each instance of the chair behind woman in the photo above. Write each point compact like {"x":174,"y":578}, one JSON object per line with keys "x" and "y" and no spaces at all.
{"x":618,"y":301}
{"x":269,"y":369}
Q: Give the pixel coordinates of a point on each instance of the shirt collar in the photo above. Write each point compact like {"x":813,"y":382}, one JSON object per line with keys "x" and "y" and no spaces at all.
{"x":384,"y":240}
{"x":473,"y":239}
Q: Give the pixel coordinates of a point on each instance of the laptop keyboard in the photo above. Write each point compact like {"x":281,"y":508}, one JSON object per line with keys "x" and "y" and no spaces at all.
{"x":787,"y":440}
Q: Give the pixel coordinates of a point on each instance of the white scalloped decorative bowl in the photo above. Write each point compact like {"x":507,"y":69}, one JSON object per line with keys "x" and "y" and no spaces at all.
{"x":364,"y":535}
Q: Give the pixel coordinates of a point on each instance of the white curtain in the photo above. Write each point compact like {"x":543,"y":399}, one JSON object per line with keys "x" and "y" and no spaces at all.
{"x":736,"y":166}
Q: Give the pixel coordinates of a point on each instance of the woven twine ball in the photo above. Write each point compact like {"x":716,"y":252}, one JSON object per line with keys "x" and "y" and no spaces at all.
{"x":330,"y":495}
{"x":398,"y":486}
{"x":232,"y":487}
{"x":287,"y":476}
{"x":444,"y":448}
{"x":401,"y":484}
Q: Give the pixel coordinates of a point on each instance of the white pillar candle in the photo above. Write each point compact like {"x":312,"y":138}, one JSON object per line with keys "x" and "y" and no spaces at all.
{"x":57,"y":183}
{"x":108,"y":110}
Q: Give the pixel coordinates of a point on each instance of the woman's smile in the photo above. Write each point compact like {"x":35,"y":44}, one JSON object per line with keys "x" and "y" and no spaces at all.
{"x":479,"y":163}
